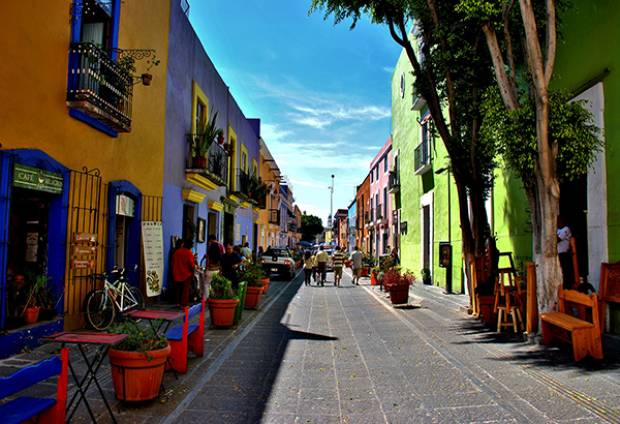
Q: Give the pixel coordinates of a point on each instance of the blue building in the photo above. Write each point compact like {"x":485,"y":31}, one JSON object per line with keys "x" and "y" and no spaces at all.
{"x":352,"y":219}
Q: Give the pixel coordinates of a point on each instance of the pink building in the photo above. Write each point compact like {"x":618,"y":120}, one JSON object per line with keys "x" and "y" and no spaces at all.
{"x":380,"y":202}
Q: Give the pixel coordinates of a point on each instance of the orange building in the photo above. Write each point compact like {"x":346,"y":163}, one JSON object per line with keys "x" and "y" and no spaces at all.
{"x":364,"y":221}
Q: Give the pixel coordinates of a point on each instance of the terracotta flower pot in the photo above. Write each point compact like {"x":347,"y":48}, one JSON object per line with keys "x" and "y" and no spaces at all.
{"x":265,"y":282}
{"x":31,"y":314}
{"x":373,"y":279}
{"x":399,"y":295}
{"x":252,"y":297}
{"x":137,"y":376}
{"x":199,"y":162}
{"x":222,"y":311}
{"x":146,"y":79}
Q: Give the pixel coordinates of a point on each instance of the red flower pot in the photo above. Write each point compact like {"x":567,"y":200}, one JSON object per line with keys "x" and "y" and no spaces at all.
{"x":31,"y":315}
{"x":365,"y":271}
{"x":399,"y":295}
{"x":252,"y":297}
{"x":199,"y":162}
{"x":373,"y":279}
{"x":265,"y":282}
{"x":137,"y":376}
{"x":222,"y":311}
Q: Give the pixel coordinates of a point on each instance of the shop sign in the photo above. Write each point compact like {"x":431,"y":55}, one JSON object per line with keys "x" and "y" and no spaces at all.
{"x":125,"y":205}
{"x":153,"y":250}
{"x":83,"y":251}
{"x":37,"y":179}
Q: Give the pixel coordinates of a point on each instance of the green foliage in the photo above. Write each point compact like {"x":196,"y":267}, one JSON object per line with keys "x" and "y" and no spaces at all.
{"x":311,"y":226}
{"x":37,"y":291}
{"x":201,"y":142}
{"x":221,"y":288}
{"x":140,"y":339}
{"x":483,"y":10}
{"x":252,"y":274}
{"x":570,"y":126}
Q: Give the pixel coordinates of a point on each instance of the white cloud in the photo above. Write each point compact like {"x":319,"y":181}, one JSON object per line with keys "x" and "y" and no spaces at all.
{"x":388,"y":69}
{"x":272,"y":133}
{"x":310,"y":121}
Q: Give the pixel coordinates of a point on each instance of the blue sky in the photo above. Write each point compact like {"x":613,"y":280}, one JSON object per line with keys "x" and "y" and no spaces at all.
{"x":322,"y":91}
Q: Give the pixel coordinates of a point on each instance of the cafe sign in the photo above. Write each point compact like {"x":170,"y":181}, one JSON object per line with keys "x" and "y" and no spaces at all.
{"x":37,"y":179}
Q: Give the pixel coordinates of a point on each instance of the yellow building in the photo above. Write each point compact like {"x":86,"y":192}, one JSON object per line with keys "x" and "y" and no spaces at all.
{"x":82,"y":138}
{"x":269,"y":218}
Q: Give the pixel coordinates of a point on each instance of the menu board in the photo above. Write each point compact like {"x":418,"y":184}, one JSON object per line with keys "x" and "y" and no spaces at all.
{"x":83,"y":251}
{"x":153,"y":248}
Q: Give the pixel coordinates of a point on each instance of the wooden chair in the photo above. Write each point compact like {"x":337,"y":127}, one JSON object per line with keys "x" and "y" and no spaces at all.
{"x":584,"y":336}
{"x":38,"y":409}
{"x":609,"y":290}
{"x":508,"y":297}
{"x":187,"y":337}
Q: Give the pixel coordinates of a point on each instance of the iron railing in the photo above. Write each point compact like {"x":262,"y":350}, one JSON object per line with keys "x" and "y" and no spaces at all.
{"x":99,"y":87}
{"x":215,"y":166}
{"x":421,"y":157}
{"x":394,"y":182}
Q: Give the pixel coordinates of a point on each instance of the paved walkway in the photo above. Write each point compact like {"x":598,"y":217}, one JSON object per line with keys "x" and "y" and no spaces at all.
{"x":344,"y":355}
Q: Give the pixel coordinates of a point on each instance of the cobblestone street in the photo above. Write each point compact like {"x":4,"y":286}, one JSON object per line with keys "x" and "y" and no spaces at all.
{"x":343,"y":355}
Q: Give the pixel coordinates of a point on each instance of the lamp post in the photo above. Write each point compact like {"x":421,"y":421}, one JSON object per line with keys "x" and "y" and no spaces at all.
{"x":331,"y":204}
{"x":440,"y":171}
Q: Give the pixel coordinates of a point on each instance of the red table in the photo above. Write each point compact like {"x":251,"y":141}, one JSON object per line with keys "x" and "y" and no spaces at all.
{"x":154,"y":315}
{"x":103,"y":341}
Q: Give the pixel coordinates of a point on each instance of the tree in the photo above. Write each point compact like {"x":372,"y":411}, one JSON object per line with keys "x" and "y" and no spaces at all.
{"x":311,"y":226}
{"x":452,"y":71}
{"x":523,"y":61}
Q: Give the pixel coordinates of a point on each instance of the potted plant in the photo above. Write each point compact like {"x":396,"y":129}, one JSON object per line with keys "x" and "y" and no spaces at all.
{"x":38,"y":285}
{"x":146,"y":76}
{"x":374,"y":274}
{"x":426,"y":276}
{"x":367,"y":263}
{"x":222,"y":301}
{"x":252,"y":274}
{"x":397,"y":285}
{"x":138,"y":362}
{"x":201,"y":142}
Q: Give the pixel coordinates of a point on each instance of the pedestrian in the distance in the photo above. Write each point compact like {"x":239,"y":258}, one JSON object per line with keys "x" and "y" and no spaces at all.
{"x":246,"y":252}
{"x":356,"y":265}
{"x":308,"y":265}
{"x":338,"y":263}
{"x":321,"y":265}
{"x":565,"y":254}
{"x":230,"y":264}
{"x":213,"y":259}
{"x":183,"y":271}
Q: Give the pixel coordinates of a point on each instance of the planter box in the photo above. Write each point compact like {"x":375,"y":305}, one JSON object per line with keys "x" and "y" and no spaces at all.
{"x":222,"y":312}
{"x":399,"y":295}
{"x":252,"y":297}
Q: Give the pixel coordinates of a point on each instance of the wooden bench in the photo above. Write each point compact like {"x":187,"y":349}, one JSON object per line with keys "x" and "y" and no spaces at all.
{"x":25,"y":408}
{"x":187,"y":337}
{"x":585,"y":336}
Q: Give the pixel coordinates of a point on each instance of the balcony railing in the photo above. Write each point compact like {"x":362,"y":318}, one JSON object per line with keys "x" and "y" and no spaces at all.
{"x":422,"y":159}
{"x":394,"y":182}
{"x":99,"y":87}
{"x":274,"y":216}
{"x":214,"y":166}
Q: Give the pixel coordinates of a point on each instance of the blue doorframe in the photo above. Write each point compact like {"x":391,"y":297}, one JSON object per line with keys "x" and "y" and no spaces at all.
{"x":58,"y":213}
{"x":134,"y":229}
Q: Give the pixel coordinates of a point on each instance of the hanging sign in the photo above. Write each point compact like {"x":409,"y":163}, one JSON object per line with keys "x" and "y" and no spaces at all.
{"x":37,"y":179}
{"x":153,"y":250}
{"x":125,"y":205}
{"x":83,"y":251}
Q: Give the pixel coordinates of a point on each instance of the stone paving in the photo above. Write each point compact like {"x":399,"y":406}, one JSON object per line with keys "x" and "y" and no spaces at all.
{"x":344,"y":355}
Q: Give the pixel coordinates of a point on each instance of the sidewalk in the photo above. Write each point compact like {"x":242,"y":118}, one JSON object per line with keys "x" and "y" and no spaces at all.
{"x":216,"y":341}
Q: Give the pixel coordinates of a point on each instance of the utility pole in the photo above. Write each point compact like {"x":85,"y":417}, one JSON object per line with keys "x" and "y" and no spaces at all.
{"x":331,"y":204}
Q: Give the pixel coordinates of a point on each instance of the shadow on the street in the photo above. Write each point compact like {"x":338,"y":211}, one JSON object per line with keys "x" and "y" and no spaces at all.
{"x":524,"y":353}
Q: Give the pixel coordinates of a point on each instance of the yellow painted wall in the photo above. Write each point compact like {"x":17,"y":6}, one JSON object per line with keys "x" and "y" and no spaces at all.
{"x":264,"y":227}
{"x":33,"y":82}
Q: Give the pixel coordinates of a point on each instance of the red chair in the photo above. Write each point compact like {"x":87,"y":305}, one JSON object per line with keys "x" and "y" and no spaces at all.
{"x":186,"y":337}
{"x":25,"y":408}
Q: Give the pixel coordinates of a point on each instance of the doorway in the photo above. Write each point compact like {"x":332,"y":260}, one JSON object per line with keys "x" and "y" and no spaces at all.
{"x":229,"y":228}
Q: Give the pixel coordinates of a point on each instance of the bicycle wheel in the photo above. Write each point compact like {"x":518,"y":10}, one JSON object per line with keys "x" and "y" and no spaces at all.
{"x":137,"y":297}
{"x":100,"y":310}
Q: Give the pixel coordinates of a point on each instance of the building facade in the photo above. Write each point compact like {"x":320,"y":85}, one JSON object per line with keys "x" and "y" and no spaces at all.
{"x":269,"y":217}
{"x":381,"y":202}
{"x":352,"y":226}
{"x":362,"y":223}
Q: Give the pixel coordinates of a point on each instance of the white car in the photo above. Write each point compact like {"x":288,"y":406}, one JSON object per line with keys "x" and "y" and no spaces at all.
{"x":278,"y":260}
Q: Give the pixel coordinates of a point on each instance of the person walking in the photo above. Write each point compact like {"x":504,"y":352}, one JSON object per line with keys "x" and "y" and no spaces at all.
{"x":338,"y":263}
{"x":308,"y":265}
{"x":230,"y":263}
{"x":356,"y":265}
{"x":321,"y":264}
{"x":183,"y":266}
{"x":565,"y":254}
{"x":213,"y":259}
{"x":246,"y":252}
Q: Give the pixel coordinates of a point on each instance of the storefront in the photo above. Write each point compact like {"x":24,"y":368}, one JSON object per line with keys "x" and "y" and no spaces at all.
{"x":33,"y":231}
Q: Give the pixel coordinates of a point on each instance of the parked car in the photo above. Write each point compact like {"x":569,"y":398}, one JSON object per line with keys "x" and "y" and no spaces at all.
{"x":278,"y":260}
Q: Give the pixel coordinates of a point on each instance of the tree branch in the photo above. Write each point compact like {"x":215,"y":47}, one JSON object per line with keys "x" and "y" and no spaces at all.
{"x":551,"y":40}
{"x":508,"y":41}
{"x":507,"y":87}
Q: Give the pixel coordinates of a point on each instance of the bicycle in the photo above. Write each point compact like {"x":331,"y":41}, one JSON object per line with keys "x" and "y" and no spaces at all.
{"x":102,"y":304}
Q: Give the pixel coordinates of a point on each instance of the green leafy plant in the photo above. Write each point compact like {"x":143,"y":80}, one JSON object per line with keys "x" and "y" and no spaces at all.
{"x":252,"y":274}
{"x":36,"y":291}
{"x":426,"y":275}
{"x":207,"y":135}
{"x":221,"y":288}
{"x":127,"y":66}
{"x":394,"y":279}
{"x":140,"y":339}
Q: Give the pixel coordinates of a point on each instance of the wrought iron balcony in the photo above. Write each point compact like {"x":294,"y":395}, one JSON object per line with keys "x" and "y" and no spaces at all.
{"x":274,"y":216}
{"x":99,"y":87}
{"x":214,"y":165}
{"x":394,"y":182}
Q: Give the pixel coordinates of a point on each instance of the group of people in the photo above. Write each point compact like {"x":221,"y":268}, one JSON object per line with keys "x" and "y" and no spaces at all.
{"x":218,"y":259}
{"x":315,"y":265}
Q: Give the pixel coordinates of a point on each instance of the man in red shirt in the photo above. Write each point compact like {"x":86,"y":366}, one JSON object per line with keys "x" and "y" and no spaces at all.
{"x":183,"y":271}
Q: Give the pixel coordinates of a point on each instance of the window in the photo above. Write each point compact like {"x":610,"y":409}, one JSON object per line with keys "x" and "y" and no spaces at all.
{"x":402,"y":85}
{"x":254,"y":168}
{"x":377,"y":172}
{"x":372,"y":174}
{"x":385,"y":164}
{"x":199,"y":118}
{"x":200,"y":108}
{"x":385,"y":202}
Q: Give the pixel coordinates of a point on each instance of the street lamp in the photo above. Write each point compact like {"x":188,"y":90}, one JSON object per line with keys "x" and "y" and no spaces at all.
{"x":447,"y":170}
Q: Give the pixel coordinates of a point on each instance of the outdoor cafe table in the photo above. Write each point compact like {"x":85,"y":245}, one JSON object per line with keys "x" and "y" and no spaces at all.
{"x":163,"y":318}
{"x":103,"y":342}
